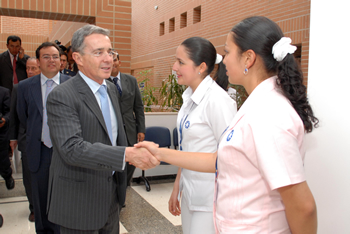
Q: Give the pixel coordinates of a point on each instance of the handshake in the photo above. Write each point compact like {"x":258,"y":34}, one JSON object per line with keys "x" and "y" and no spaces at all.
{"x":144,"y":155}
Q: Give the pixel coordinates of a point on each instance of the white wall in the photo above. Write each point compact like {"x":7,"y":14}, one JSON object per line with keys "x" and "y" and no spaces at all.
{"x":328,"y":158}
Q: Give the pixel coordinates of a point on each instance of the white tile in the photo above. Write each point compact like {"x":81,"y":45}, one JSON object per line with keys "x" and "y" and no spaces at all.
{"x":15,"y":212}
{"x":158,"y":197}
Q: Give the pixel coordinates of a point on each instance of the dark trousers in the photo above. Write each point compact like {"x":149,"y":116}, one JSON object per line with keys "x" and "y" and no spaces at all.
{"x":27,"y":181}
{"x":40,"y":184}
{"x":130,"y":172}
{"x":5,"y":164}
{"x":112,"y":224}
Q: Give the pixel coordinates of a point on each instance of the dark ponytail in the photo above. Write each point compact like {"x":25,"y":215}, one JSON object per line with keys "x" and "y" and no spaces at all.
{"x":290,"y":79}
{"x":220,"y":76}
{"x":259,"y":34}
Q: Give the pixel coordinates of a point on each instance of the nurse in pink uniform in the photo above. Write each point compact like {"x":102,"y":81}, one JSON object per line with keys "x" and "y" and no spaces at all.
{"x":260,"y":180}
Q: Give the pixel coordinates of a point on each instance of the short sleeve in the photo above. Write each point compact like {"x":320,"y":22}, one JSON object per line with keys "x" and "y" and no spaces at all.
{"x":278,"y":137}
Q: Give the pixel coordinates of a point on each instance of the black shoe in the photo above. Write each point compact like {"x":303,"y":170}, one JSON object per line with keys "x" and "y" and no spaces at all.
{"x":31,"y":217}
{"x":1,"y":220}
{"x":10,"y":183}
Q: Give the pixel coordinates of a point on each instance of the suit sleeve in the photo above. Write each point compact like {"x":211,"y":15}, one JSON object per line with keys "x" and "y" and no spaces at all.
{"x":77,"y":136}
{"x":14,"y":123}
{"x":21,"y":105}
{"x":139,"y":109}
{"x":6,"y":107}
{"x":22,"y":62}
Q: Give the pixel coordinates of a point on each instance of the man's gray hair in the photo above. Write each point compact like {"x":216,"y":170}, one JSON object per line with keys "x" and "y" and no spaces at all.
{"x":32,"y":58}
{"x":79,"y":36}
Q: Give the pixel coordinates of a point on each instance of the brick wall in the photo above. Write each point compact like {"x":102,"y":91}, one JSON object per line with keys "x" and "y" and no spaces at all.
{"x":114,"y":15}
{"x":25,"y":26}
{"x":29,"y":42}
{"x":32,"y":32}
{"x":149,"y":49}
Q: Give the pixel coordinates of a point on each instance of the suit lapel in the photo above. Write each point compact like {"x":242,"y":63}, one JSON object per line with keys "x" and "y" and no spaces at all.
{"x":124,"y":82}
{"x":36,"y":93}
{"x":114,"y":96}
{"x":8,"y":60}
{"x":89,"y":99}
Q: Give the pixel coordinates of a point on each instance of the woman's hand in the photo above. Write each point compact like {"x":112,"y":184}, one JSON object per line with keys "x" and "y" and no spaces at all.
{"x":174,"y":204}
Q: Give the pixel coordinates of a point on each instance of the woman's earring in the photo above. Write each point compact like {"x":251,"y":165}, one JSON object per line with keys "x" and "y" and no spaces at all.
{"x":199,"y":73}
{"x":245,"y":70}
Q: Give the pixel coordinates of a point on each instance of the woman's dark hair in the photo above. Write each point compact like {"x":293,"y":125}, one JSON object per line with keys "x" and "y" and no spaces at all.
{"x":259,"y":34}
{"x":200,"y":50}
{"x":220,"y":76}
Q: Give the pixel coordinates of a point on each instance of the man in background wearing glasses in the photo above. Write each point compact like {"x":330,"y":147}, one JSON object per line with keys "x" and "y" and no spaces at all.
{"x":32,"y":114}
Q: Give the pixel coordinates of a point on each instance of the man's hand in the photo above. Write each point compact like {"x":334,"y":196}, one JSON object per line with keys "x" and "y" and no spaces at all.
{"x":140,"y":136}
{"x":151,"y":147}
{"x":13,"y":145}
{"x":3,"y":122}
{"x":21,"y":53}
{"x":141,"y":158}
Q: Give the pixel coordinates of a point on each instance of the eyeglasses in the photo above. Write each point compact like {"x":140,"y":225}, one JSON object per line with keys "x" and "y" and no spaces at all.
{"x":48,"y":57}
{"x":99,"y":53}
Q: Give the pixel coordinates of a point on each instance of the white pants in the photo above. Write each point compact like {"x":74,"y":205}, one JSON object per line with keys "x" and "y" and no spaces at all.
{"x":196,"y":222}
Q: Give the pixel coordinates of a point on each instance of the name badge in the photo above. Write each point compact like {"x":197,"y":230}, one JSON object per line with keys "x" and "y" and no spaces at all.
{"x":229,"y":136}
{"x":187,"y":124}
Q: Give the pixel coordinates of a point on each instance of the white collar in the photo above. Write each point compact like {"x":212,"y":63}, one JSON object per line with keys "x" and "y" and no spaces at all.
{"x":200,"y":91}
{"x":93,"y":85}
{"x":56,"y":78}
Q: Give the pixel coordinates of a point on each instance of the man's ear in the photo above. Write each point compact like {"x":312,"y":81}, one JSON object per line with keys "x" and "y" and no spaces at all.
{"x":250,"y":58}
{"x":38,"y":62}
{"x":77,"y":58}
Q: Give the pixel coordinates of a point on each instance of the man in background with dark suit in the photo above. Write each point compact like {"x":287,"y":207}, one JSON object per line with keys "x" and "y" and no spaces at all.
{"x":63,"y":68}
{"x":31,"y":109}
{"x":72,"y":65}
{"x":13,"y":63}
{"x":5,"y":163}
{"x":17,"y":135}
{"x":131,"y":107}
{"x":87,"y":176}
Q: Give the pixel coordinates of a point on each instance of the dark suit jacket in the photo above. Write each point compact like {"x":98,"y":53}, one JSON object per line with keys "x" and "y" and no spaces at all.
{"x":83,"y":160}
{"x":5,"y":111}
{"x":6,"y":70}
{"x":17,"y":130}
{"x":68,"y":72}
{"x":131,"y":107}
{"x":30,"y":114}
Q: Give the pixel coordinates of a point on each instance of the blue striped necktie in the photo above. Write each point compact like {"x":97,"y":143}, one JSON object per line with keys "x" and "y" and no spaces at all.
{"x":105,"y":110}
{"x":46,"y":131}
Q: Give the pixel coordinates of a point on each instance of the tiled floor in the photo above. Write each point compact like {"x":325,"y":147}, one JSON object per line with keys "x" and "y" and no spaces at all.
{"x":145,"y":212}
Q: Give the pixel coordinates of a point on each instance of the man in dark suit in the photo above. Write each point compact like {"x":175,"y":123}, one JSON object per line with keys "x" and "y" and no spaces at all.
{"x":131,"y":107}
{"x":72,"y":65}
{"x":31,"y":109}
{"x":87,"y":177}
{"x":63,"y":68}
{"x":17,"y":135}
{"x":12,"y":73}
{"x":5,"y":164}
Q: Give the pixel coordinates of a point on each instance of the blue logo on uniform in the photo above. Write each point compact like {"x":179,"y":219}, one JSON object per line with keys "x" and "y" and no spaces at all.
{"x":187,"y":124}
{"x":230,"y":135}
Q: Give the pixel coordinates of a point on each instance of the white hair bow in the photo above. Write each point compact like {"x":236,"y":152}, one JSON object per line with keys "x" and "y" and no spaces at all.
{"x":283,"y":47}
{"x":218,"y":59}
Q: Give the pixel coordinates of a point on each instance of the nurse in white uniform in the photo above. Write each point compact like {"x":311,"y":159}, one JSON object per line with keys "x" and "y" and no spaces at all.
{"x":206,"y":112}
